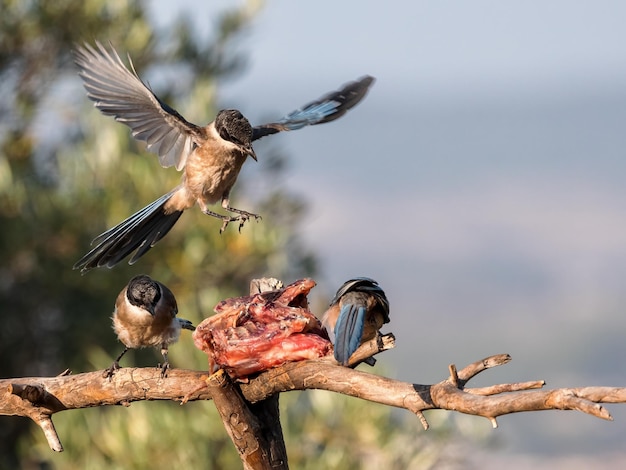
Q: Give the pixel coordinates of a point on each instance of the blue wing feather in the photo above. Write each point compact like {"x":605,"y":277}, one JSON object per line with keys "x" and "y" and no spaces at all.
{"x":309,"y":116}
{"x":325,"y":109}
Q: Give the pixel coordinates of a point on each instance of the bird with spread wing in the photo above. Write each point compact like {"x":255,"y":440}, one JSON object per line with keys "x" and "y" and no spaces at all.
{"x":210,"y":156}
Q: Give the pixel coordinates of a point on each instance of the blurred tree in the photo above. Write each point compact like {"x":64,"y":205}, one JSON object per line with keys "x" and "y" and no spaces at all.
{"x":66,"y":174}
{"x":344,"y":433}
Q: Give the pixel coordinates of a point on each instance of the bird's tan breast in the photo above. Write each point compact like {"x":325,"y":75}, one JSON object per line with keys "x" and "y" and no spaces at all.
{"x":136,"y":328}
{"x":212,"y":169}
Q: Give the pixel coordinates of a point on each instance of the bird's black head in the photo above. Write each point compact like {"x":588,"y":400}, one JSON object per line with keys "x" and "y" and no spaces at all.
{"x":368,"y":286}
{"x":143,"y":292}
{"x":232,"y":126}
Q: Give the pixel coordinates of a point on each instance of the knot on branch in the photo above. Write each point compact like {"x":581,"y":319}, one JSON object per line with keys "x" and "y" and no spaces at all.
{"x":39,"y":405}
{"x":32,"y":393}
{"x":36,"y":395}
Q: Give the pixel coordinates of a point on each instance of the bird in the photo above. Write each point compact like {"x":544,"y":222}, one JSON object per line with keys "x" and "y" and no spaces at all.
{"x":211,"y":156}
{"x":356,"y":313}
{"x":145,"y":316}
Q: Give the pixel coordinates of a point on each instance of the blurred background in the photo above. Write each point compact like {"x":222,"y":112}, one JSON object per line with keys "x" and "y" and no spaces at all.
{"x":480,"y":182}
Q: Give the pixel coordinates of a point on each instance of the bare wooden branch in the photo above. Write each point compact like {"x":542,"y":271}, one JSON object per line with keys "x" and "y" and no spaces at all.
{"x":504,"y":388}
{"x":33,"y":399}
{"x":475,"y":368}
{"x":40,"y":397}
{"x":454,"y":375}
{"x":255,"y":430}
{"x":47,"y":426}
{"x":242,"y":425}
{"x":444,"y":395}
{"x":372,"y":347}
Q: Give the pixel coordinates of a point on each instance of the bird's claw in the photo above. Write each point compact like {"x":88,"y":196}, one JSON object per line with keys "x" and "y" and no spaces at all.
{"x":243,"y":217}
{"x":108,"y":373}
{"x":224,"y":225}
{"x":164,"y":368}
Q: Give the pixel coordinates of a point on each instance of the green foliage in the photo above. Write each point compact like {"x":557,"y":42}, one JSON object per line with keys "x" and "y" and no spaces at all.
{"x":326,"y":430}
{"x":66,"y":174}
{"x":155,"y":435}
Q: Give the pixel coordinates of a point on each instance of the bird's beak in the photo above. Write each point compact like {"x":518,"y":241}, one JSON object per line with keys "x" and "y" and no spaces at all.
{"x":151,"y":310}
{"x":250,"y":151}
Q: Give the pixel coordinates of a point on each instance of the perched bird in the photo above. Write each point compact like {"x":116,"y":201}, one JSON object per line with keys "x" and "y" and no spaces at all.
{"x":211,"y":156}
{"x":356,"y":313}
{"x":145,"y":315}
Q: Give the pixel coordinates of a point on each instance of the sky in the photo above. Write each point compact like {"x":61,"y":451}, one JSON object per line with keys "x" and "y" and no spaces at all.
{"x":481,"y":182}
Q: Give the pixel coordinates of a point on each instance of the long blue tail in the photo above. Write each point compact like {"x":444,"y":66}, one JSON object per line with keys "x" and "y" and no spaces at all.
{"x":353,"y":297}
{"x":348,"y":331}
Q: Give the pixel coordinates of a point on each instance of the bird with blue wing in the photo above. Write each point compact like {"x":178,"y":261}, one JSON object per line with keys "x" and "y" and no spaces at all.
{"x":356,"y":314}
{"x":210,"y":156}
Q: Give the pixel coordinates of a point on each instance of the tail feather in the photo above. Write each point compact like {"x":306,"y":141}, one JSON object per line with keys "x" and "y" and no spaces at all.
{"x":141,"y":231}
{"x":136,"y":218}
{"x":348,"y":331}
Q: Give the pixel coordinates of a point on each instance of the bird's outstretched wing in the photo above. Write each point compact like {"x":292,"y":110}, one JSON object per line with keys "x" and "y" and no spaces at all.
{"x":119,"y":92}
{"x":328,"y":108}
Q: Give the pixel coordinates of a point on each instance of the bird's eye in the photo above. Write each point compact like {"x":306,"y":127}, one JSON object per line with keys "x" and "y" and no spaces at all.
{"x":224,"y":134}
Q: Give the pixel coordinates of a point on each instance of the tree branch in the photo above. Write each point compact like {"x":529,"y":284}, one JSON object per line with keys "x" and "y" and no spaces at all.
{"x":243,"y":427}
{"x":40,"y":397}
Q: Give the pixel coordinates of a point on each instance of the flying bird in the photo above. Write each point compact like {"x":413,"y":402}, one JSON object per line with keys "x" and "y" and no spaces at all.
{"x":211,"y":156}
{"x":145,"y":316}
{"x":356,"y":313}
